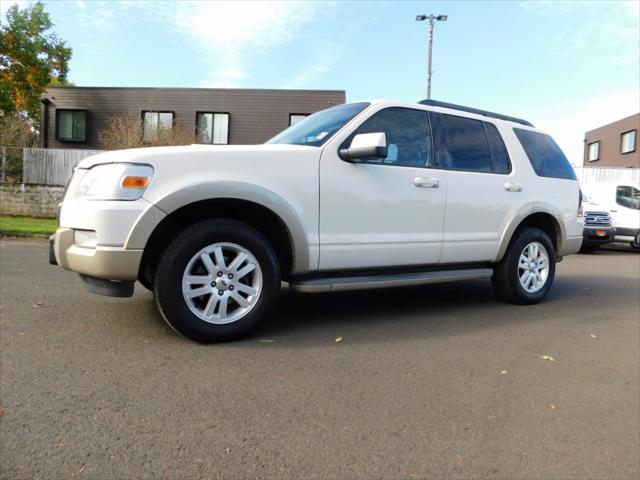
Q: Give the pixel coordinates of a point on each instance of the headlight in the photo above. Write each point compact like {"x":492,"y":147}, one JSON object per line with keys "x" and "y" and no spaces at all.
{"x":114,"y":181}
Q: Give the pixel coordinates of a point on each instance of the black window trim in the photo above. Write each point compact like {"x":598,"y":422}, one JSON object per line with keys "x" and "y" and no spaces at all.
{"x":635,"y":141}
{"x":291,"y":114}
{"x":228,"y":114}
{"x":493,"y":158}
{"x":597,"y":159}
{"x":349,"y":138}
{"x":86,"y":125}
{"x":445,"y":147}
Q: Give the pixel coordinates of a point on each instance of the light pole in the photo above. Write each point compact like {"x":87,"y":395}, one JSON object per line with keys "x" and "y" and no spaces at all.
{"x":432,"y":21}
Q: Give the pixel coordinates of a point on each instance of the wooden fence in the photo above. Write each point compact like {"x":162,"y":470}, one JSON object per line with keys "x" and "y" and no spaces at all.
{"x":51,"y":166}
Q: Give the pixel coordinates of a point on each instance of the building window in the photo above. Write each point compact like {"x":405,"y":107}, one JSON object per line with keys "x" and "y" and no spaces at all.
{"x":296,"y":117}
{"x":155,"y":122}
{"x":71,"y":125}
{"x":594,"y":151}
{"x":212,"y":127}
{"x":628,"y":141}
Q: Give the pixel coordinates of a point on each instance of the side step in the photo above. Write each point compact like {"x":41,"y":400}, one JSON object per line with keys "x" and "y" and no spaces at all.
{"x":338,"y":284}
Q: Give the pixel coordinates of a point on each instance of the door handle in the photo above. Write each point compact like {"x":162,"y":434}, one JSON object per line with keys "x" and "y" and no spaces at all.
{"x":426,"y":182}
{"x":512,"y":187}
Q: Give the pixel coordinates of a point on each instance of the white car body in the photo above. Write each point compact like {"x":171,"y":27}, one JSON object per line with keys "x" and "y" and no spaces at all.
{"x":623,"y":208}
{"x":339,"y":216}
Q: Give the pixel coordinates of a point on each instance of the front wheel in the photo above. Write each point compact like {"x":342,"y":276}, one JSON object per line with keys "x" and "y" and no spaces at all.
{"x":525,"y":274}
{"x":217,"y":280}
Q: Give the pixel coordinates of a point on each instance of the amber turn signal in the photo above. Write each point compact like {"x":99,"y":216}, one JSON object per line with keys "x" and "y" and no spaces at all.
{"x":135,"y":182}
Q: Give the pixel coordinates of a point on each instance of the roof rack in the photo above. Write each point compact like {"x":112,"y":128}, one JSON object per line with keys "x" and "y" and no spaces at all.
{"x":436,"y":103}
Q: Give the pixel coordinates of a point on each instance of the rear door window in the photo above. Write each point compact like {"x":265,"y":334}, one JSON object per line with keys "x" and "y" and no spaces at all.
{"x":544,"y":154}
{"x":467,"y":144}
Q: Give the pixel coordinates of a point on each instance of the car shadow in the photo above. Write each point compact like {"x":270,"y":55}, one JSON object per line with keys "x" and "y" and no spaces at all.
{"x":399,"y":313}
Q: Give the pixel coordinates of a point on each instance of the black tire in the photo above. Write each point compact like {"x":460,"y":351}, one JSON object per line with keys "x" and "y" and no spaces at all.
{"x":172,"y":264}
{"x":506,"y":281}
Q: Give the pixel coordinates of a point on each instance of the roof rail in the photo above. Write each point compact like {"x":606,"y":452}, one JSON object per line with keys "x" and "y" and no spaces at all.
{"x":436,"y":103}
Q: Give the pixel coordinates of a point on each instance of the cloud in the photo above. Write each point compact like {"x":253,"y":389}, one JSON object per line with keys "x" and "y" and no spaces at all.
{"x":568,"y":121}
{"x":587,"y":28}
{"x":5,"y":5}
{"x":234,"y":32}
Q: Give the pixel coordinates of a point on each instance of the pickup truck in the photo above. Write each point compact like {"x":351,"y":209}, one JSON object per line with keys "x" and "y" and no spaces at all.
{"x":370,"y":194}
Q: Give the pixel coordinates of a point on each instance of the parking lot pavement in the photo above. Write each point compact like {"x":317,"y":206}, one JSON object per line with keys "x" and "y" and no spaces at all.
{"x":438,"y":381}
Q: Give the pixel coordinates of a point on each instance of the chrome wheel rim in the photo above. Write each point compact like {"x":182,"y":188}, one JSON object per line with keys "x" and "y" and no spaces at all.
{"x":222,"y":283}
{"x":533,"y":267}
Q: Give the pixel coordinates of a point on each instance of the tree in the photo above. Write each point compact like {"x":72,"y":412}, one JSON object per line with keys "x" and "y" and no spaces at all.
{"x":31,"y":58}
{"x":126,"y":131}
{"x":16,"y":133}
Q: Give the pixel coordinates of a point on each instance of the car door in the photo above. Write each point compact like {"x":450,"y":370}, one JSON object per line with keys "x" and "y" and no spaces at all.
{"x":383,"y":212}
{"x":625,"y":215}
{"x":483,"y":191}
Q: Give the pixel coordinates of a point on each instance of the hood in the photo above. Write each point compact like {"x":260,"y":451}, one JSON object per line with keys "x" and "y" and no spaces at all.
{"x":158,"y":155}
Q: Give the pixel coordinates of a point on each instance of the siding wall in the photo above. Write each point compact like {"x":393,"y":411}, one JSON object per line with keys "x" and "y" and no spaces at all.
{"x":609,"y":138}
{"x":255,"y":115}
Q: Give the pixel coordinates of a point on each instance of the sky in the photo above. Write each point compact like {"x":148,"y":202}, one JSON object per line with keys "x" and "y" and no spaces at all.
{"x":567,"y":66}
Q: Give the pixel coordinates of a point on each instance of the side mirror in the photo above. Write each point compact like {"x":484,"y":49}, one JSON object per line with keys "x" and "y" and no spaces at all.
{"x":365,"y":146}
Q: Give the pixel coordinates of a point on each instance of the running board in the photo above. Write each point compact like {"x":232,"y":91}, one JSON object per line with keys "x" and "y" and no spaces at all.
{"x":338,"y":284}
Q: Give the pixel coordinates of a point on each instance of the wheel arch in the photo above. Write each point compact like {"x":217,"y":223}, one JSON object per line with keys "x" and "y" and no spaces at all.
{"x":261,"y":209}
{"x":541,"y":219}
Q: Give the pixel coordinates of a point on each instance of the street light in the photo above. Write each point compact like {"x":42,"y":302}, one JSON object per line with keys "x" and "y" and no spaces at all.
{"x":432,"y":20}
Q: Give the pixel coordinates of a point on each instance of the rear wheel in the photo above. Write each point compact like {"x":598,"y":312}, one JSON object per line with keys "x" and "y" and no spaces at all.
{"x":525,"y":274}
{"x":217,"y":280}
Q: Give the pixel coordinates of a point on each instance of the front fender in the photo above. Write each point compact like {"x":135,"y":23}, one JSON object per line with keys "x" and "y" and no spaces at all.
{"x":303,"y":256}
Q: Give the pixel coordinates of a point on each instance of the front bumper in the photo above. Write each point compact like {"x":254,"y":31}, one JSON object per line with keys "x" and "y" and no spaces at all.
{"x":110,"y":263}
{"x":598,"y":235}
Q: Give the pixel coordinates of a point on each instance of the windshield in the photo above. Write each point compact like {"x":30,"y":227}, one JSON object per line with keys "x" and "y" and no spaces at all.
{"x":320,"y":126}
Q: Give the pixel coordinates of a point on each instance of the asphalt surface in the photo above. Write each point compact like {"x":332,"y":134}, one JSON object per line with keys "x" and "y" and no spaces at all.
{"x":430,"y":382}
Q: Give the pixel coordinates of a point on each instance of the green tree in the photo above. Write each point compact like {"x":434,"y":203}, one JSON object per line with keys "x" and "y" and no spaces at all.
{"x":31,"y":58}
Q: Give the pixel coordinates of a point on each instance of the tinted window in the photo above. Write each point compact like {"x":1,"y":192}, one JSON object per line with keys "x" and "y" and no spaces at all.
{"x":498,"y":151}
{"x":408,"y":136}
{"x":544,"y":154}
{"x":467,"y":144}
{"x":628,"y":197}
{"x":316,"y":129}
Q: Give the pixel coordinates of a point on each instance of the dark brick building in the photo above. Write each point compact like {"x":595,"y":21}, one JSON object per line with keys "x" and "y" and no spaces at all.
{"x":73,"y":117}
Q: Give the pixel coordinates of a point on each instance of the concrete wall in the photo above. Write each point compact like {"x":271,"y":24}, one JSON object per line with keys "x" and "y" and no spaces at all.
{"x":30,"y":200}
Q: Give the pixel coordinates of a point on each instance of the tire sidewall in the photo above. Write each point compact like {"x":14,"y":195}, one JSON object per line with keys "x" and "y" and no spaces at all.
{"x":528,"y":236}
{"x":168,"y":281}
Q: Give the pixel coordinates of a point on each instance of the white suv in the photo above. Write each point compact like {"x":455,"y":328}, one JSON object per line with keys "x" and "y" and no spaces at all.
{"x":362,"y":195}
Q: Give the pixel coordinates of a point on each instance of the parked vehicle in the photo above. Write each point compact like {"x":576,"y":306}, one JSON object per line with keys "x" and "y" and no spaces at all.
{"x":598,"y":228}
{"x":361,"y":195}
{"x":622,"y":200}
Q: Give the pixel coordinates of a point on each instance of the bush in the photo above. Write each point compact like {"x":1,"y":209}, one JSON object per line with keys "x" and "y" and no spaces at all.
{"x":125,"y":131}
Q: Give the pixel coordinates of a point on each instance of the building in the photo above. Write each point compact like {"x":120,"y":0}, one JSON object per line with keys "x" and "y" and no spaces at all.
{"x":613,"y":145}
{"x":74,"y":117}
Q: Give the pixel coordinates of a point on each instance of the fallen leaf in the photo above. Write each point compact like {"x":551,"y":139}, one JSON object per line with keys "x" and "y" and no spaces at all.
{"x":593,"y":336}
{"x":503,"y":372}
{"x":553,"y":407}
{"x":1,"y":412}
{"x":339,"y":339}
{"x":548,"y":358}
{"x":38,"y":304}
{"x":266,"y":340}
